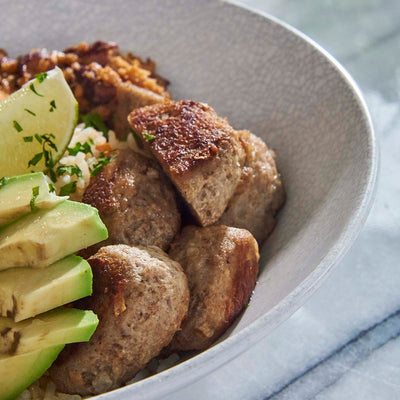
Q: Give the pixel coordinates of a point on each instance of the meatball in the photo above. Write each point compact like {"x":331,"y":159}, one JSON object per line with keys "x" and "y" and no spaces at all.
{"x":199,"y":151}
{"x":135,"y":201}
{"x":259,"y":194}
{"x":141,"y":297}
{"x":221,"y":264}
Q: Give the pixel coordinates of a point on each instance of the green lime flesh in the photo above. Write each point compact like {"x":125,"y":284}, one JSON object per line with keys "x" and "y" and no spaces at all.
{"x":38,"y":108}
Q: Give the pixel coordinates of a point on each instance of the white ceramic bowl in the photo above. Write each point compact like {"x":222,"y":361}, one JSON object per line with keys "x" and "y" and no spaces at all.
{"x":268,"y":78}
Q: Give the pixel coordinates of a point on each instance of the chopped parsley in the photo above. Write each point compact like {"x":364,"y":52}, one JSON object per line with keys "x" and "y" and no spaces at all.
{"x":70,"y":169}
{"x":94,"y":120}
{"x":38,"y":138}
{"x":52,"y":189}
{"x":35,"y":159}
{"x":147,"y":137}
{"x":35,"y":194}
{"x":52,"y":175}
{"x":30,"y":112}
{"x":79,"y":147}
{"x":28,"y":138}
{"x":32,"y":87}
{"x":41,"y":77}
{"x":101,"y":163}
{"x":46,"y":140}
{"x":17,"y":126}
{"x":68,"y":189}
{"x":52,"y":106}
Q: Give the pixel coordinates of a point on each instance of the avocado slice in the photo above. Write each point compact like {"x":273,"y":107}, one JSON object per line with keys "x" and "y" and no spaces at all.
{"x":45,"y":236}
{"x":17,"y":196}
{"x":55,"y":327}
{"x":26,"y":292}
{"x":19,"y":371}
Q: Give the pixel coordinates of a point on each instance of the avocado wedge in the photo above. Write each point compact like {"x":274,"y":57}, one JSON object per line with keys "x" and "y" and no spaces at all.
{"x":55,"y":327}
{"x":17,"y":196}
{"x":26,"y":292}
{"x":45,"y":236}
{"x":19,"y":371}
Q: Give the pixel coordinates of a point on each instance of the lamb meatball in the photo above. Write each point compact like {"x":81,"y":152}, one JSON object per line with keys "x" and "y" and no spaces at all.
{"x":141,"y":297}
{"x":135,"y":201}
{"x":221,"y":264}
{"x":198,"y":150}
{"x":259,"y":194}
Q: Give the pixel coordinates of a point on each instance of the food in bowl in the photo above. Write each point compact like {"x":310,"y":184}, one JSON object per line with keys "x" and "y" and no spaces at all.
{"x":177,"y":165}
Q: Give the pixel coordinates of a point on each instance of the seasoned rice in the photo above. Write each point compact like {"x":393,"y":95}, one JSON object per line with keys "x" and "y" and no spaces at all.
{"x":86,"y":161}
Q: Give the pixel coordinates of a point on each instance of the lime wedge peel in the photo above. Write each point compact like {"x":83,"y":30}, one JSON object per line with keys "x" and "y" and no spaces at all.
{"x":43,"y":109}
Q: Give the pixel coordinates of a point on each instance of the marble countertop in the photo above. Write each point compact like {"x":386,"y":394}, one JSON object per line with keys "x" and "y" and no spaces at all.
{"x":344,"y":343}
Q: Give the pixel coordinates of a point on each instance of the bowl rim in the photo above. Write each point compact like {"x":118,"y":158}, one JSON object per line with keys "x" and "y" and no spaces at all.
{"x":193,"y":369}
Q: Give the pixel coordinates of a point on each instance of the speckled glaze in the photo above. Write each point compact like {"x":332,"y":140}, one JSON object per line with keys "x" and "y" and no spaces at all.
{"x":266,"y":77}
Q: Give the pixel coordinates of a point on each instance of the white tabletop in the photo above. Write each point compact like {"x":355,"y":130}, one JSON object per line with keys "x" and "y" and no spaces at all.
{"x":344,"y":342}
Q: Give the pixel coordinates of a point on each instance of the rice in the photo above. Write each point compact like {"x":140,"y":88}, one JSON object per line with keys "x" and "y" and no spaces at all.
{"x":45,"y":389}
{"x":95,"y":147}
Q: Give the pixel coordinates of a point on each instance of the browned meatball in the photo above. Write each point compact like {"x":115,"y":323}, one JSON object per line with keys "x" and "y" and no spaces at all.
{"x":140,"y":297}
{"x":259,"y":194}
{"x":198,"y":150}
{"x":221,"y":264}
{"x":135,"y":201}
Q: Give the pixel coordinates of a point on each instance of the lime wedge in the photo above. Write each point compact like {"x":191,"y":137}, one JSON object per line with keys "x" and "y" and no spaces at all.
{"x":44,"y":110}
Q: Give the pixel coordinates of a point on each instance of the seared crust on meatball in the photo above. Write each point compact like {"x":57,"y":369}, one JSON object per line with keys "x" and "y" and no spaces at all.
{"x":136,"y":202}
{"x":198,"y":150}
{"x":221,"y":264}
{"x":259,"y":194}
{"x":141,"y":297}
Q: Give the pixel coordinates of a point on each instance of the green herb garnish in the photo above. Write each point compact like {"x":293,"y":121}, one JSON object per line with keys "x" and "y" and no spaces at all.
{"x":28,"y":138}
{"x":32,"y":87}
{"x":147,"y":137}
{"x":35,"y":159}
{"x":35,"y":194}
{"x":30,"y":112}
{"x":94,"y":120}
{"x":52,"y":105}
{"x":38,"y":138}
{"x":79,"y":147}
{"x":41,"y":77}
{"x":46,"y":140}
{"x":101,"y":163}
{"x":52,"y":175}
{"x":68,"y":189}
{"x":52,"y":189}
{"x":70,"y":169}
{"x":17,"y":126}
